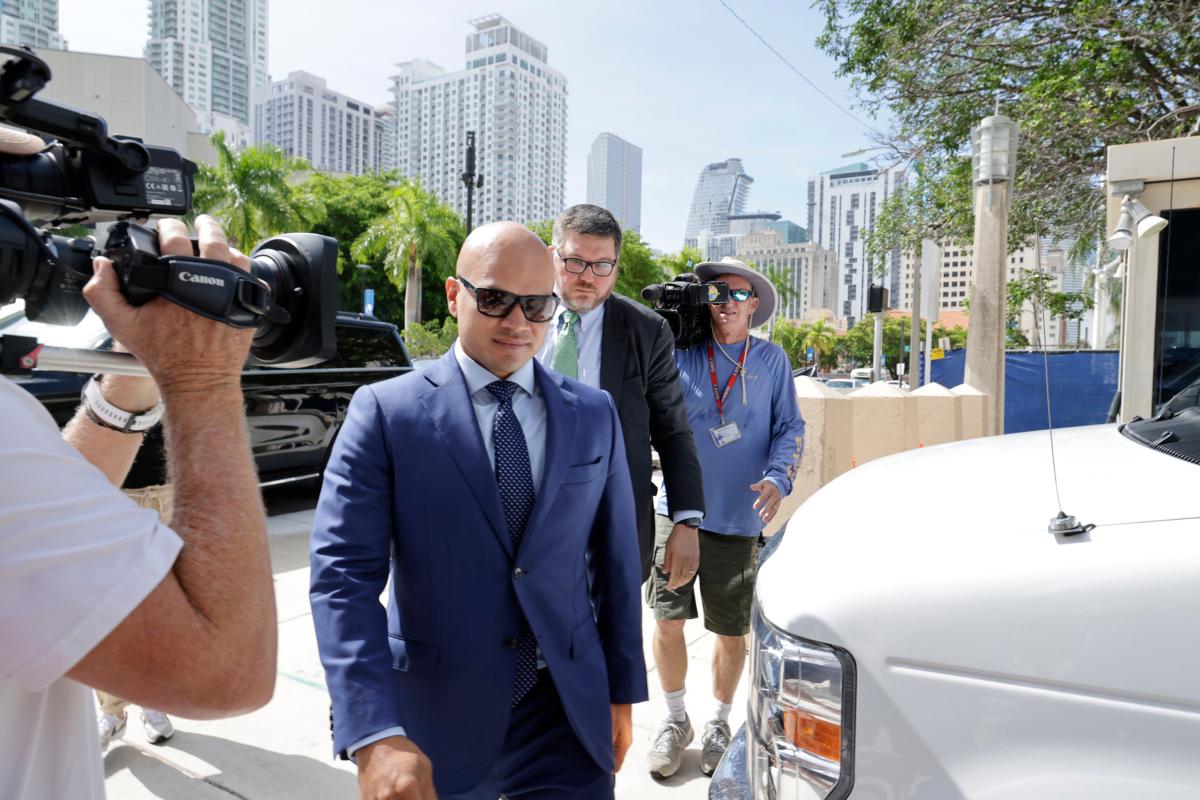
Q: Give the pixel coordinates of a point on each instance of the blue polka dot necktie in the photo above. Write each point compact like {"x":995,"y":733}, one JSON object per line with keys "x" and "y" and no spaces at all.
{"x":515,"y":478}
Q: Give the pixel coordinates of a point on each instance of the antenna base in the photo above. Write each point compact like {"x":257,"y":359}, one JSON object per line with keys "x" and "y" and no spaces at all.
{"x":1064,"y":524}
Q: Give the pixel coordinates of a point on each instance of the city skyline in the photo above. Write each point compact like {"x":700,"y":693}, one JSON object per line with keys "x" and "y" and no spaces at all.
{"x":784,"y":131}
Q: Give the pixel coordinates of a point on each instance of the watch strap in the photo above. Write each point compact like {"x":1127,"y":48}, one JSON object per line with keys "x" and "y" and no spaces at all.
{"x":107,"y":415}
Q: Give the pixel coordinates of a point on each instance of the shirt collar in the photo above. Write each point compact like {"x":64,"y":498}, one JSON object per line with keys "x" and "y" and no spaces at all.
{"x":478,"y":377}
{"x":587,"y":319}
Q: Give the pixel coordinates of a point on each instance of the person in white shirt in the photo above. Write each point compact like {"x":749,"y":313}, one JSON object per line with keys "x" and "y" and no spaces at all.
{"x":95,"y":592}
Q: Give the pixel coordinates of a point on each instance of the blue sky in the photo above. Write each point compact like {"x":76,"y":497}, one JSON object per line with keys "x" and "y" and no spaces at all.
{"x":683,"y":80}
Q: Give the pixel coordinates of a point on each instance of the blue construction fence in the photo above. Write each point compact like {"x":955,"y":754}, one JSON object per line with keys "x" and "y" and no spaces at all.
{"x":1082,"y":386}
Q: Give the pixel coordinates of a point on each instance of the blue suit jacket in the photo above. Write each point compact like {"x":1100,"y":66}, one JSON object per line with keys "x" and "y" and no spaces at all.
{"x":409,"y":486}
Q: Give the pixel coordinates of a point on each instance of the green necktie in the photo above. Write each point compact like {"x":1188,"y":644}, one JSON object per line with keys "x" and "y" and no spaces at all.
{"x":566,"y":346}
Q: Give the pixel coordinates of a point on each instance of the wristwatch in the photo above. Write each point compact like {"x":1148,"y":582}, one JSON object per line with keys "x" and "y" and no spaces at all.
{"x":105,"y":414}
{"x":691,"y":522}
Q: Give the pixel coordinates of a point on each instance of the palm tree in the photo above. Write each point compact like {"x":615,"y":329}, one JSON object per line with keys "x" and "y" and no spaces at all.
{"x":416,"y":231}
{"x":250,"y":192}
{"x":821,"y":338}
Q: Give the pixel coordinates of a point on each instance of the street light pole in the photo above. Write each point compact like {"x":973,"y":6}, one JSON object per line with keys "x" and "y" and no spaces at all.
{"x":993,"y":155}
{"x":471,"y":180}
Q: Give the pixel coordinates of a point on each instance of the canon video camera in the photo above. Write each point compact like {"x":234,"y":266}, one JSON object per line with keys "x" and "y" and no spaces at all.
{"x":85,"y":176}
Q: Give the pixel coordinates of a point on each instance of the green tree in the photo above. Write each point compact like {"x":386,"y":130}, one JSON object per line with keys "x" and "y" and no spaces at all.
{"x":1077,"y":76}
{"x":685,"y":260}
{"x":432,"y":338}
{"x":251,"y":193}
{"x":857,"y":344}
{"x":415,"y":233}
{"x":821,"y":338}
{"x":1036,"y":289}
{"x":638,"y":267}
{"x":345,"y":206}
{"x":790,"y":335}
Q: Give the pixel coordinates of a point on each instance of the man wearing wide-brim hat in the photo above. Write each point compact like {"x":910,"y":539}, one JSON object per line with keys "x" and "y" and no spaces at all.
{"x":749,"y":435}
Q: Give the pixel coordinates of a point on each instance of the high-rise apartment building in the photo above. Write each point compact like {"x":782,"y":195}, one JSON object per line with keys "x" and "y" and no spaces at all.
{"x":304,"y":118}
{"x":514,"y":102}
{"x":31,"y":22}
{"x":614,"y":168}
{"x":842,"y":208}
{"x":957,"y":271}
{"x":385,"y":139}
{"x":720,"y":193}
{"x":808,"y":270}
{"x":212,"y":52}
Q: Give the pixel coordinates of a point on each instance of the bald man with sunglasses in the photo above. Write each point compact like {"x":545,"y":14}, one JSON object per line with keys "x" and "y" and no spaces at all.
{"x":496,"y":494}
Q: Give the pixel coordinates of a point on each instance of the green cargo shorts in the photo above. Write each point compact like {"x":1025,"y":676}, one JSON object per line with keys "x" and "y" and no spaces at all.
{"x":728,"y":567}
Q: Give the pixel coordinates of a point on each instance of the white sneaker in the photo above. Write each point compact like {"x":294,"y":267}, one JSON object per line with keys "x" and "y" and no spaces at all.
{"x":666,"y":750}
{"x":111,"y":727}
{"x":157,"y":726}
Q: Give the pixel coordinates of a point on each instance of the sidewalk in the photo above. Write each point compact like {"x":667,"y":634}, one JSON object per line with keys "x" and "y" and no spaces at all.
{"x":282,"y":751}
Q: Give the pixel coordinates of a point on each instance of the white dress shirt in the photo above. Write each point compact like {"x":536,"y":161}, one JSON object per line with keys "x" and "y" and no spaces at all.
{"x":587,"y":342}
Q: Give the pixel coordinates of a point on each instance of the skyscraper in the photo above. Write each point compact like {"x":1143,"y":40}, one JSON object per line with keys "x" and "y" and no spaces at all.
{"x":721,"y":192}
{"x":304,"y":118}
{"x":842,"y":206}
{"x":31,"y":22}
{"x":615,"y":179}
{"x":514,"y":102}
{"x":212,"y":52}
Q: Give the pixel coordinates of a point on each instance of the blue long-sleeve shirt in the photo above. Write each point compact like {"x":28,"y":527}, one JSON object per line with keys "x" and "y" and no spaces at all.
{"x":772,"y":431}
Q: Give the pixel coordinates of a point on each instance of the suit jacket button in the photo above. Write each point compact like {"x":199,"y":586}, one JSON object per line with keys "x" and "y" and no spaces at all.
{"x":518,"y":572}
{"x":510,"y":642}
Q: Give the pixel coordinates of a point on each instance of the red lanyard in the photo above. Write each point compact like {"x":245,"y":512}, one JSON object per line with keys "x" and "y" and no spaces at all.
{"x":712,"y":373}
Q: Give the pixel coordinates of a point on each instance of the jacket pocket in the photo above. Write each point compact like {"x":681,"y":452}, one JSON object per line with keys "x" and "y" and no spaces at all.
{"x":584,"y":473}
{"x":412,"y":657}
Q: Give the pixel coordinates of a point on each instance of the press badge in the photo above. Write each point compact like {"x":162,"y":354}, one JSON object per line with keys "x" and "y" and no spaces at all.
{"x":725,"y":434}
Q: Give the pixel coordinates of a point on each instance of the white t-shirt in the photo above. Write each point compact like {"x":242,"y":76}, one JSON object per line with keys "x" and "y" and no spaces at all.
{"x":76,"y":557}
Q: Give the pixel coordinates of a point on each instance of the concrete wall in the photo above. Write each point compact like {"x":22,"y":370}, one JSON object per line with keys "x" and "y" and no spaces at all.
{"x":842,"y":430}
{"x":133,"y":99}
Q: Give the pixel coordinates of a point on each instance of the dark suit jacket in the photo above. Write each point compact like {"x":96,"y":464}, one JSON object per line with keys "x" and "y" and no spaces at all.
{"x":637,"y":367}
{"x":409,"y":489}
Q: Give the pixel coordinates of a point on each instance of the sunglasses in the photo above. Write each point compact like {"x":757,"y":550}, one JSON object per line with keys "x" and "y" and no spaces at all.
{"x":741,"y":295}
{"x":498,"y":303}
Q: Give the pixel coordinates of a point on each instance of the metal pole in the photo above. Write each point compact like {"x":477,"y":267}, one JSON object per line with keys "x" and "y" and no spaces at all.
{"x":468,"y":178}
{"x":914,"y":334}
{"x":931,"y":283}
{"x":877,"y":354}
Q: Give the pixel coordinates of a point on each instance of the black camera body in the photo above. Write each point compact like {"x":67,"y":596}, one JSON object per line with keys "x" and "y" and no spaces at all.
{"x":684,"y":303}
{"x":84,"y":175}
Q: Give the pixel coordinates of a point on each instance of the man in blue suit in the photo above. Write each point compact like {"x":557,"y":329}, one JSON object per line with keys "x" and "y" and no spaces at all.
{"x":498,"y":496}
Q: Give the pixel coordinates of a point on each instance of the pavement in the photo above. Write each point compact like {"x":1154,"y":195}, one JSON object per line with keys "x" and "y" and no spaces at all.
{"x":282,"y":751}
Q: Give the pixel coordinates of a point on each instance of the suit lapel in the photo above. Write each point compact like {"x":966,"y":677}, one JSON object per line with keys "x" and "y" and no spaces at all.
{"x":453,"y":415}
{"x":613,"y":345}
{"x":561,"y":422}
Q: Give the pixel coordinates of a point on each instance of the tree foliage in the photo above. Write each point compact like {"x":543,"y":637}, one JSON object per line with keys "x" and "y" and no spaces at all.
{"x":432,"y":338}
{"x":251,"y":193}
{"x":416,"y":242}
{"x":1077,"y":76}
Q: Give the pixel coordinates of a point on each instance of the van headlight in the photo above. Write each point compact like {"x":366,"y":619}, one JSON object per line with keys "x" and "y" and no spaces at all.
{"x":801,"y":722}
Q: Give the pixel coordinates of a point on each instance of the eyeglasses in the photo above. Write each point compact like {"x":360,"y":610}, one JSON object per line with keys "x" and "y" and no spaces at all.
{"x":576,"y":266}
{"x":498,"y":303}
{"x":741,"y":295}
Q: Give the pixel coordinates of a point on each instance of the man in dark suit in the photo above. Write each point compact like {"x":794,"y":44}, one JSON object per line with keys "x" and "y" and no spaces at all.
{"x":613,"y":343}
{"x":498,"y":494}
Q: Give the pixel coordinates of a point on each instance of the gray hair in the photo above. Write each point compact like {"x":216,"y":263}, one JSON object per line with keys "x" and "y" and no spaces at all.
{"x":588,"y":220}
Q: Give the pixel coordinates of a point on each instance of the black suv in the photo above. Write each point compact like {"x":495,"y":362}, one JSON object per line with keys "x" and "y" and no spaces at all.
{"x":293,"y":414}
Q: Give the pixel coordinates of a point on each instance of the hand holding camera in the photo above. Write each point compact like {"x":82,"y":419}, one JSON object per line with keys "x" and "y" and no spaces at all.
{"x":181,"y":350}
